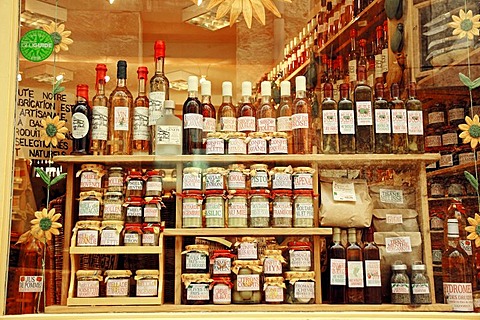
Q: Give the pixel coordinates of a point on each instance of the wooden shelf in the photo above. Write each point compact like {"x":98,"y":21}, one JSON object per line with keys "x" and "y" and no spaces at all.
{"x":451,"y":198}
{"x":297,"y":71}
{"x":113,"y":301}
{"x":116,"y":250}
{"x":455,"y":170}
{"x":247,"y":231}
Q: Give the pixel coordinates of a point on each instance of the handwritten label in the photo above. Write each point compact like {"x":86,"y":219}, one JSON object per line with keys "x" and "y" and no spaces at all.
{"x":344,"y":191}
{"x":135,"y":185}
{"x":302,"y":181}
{"x":282,"y":209}
{"x":355,"y":274}
{"x":157,"y":99}
{"x":86,"y":238}
{"x":272,"y":266}
{"x":399,"y":121}
{"x":120,"y":118}
{"x":248,"y":282}
{"x":284,"y":123}
{"x":237,"y":146}
{"x":154,"y":186}
{"x":168,"y":135}
{"x":30,"y":284}
{"x":259,"y":209}
{"x":191,"y":209}
{"x":420,"y":288}
{"x":89,"y":208}
{"x":259,"y":180}
{"x":364,"y":113}
{"x":192,"y":181}
{"x":147,"y":287}
{"x":89,"y":179}
{"x":222,"y":265}
{"x":214,"y":181}
{"x":267,"y":125}
{"x":115,"y":181}
{"x":303,"y":210}
{"x":214,"y":210}
{"x":415,"y":122}
{"x":148,"y":239}
{"x":391,"y":196}
{"x":134,"y":211}
{"x":282,"y":181}
{"x":300,"y":121}
{"x":401,"y":288}
{"x":393,"y":218}
{"x":110,"y":238}
{"x":112,"y":209}
{"x":215,"y":146}
{"x":209,"y":124}
{"x":198,"y":291}
{"x":278,"y":146}
{"x":372,"y":273}
{"x":398,"y":245}
{"x":236,"y":180}
{"x":228,"y":124}
{"x":88,"y":289}
{"x":131,"y":238}
{"x":300,"y":259}
{"x":304,"y":290}
{"x":246,"y":124}
{"x":274,"y":294}
{"x":257,"y":146}
{"x":140,"y":124}
{"x":330,"y":122}
{"x":247,"y":251}
{"x":118,"y":287}
{"x":338,"y":276}
{"x":346,"y":121}
{"x":192,"y":121}
{"x":382,"y":121}
{"x":222,"y":294}
{"x":99,"y":123}
{"x":151,"y":212}
{"x":195,"y":261}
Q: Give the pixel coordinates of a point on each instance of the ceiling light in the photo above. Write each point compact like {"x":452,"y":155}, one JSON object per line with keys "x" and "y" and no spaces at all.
{"x":198,"y":15}
{"x":38,"y":13}
{"x":45,"y":73}
{"x":178,"y":79}
{"x":111,"y":1}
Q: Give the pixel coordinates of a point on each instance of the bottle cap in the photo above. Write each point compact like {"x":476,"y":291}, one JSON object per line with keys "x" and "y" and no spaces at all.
{"x":82,"y":91}
{"x":101,"y":70}
{"x":300,"y":83}
{"x":246,"y":88}
{"x":379,"y":90}
{"x":159,"y":48}
{"x":122,"y":69}
{"x":399,"y":266}
{"x":353,"y":33}
{"x":418,"y":266}
{"x":142,"y":72}
{"x":285,"y":88}
{"x":266,"y":88}
{"x":227,"y":88}
{"x":206,"y":88}
{"x":328,"y":90}
{"x":169,"y":104}
{"x":192,"y":83}
{"x":452,"y":227}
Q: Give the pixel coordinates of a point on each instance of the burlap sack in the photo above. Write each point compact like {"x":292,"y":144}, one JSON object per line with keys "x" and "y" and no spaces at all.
{"x":395,"y":220}
{"x":388,"y":197}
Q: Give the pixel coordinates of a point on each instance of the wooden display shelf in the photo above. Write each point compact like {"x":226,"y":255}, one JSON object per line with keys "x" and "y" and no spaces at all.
{"x":451,"y":198}
{"x":455,"y":170}
{"x":247,"y":231}
{"x":117,"y":250}
{"x":298,"y":71}
{"x":114,"y":301}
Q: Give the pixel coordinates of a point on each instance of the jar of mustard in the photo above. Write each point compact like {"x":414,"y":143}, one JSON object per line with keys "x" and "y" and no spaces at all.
{"x":117,"y":283}
{"x":88,"y":283}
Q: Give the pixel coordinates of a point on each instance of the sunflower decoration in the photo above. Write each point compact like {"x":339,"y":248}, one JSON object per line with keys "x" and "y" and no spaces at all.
{"x":43,"y":226}
{"x":470,"y":131}
{"x":53,"y":130}
{"x":465,"y":24}
{"x":59,"y":35}
{"x":474,"y":229}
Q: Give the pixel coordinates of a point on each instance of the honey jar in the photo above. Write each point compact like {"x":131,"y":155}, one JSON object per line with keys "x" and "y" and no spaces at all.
{"x":87,"y":233}
{"x":117,"y":283}
{"x":147,"y":283}
{"x":91,"y":177}
{"x":88,"y":283}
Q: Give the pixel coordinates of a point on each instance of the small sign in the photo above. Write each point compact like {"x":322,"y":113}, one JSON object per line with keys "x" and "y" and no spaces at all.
{"x":36,"y":45}
{"x":30,"y":284}
{"x":398,"y":245}
{"x":344,"y":191}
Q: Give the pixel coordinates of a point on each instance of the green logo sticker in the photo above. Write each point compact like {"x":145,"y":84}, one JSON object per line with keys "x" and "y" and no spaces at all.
{"x":36,"y":45}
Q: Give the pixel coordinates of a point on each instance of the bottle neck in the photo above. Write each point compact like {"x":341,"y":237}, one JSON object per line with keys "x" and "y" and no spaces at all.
{"x":193,"y":94}
{"x":301,"y":94}
{"x":286,"y":99}
{"x":141,"y":87}
{"x":245,"y":99}
{"x":353,"y":44}
{"x":169,"y":111}
{"x":159,"y":65}
{"x":266,"y":99}
{"x":453,"y":241}
{"x":226,"y":99}
{"x":101,"y":87}
{"x":206,"y":99}
{"x":81,"y":99}
{"x":121,"y":82}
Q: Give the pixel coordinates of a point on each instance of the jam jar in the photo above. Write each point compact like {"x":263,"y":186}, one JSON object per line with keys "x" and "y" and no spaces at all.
{"x":247,"y":283}
{"x":196,"y":259}
{"x":214,"y":209}
{"x":299,"y":256}
{"x":132,"y":234}
{"x":91,"y":177}
{"x":274,"y":290}
{"x":111,"y":233}
{"x":214,"y":178}
{"x":303,"y":211}
{"x":237,"y":210}
{"x":152,"y":209}
{"x":259,"y":176}
{"x":113,"y":206}
{"x":88,"y":283}
{"x":117,"y":283}
{"x":116,"y":177}
{"x":303,"y":178}
{"x":300,"y":287}
{"x":87,"y":233}
{"x":221,"y":288}
{"x":260,"y":208}
{"x":273,"y":262}
{"x":192,"y":209}
{"x":436,"y":116}
{"x":400,"y":284}
{"x":236,"y":177}
{"x":196,"y":288}
{"x":221,"y":263}
{"x":437,"y":188}
{"x":90,"y":205}
{"x":236,"y":143}
{"x":151,"y":234}
{"x":133,"y":210}
{"x":135,"y":184}
{"x":282,"y":209}
{"x":192,"y":178}
{"x":215,"y":143}
{"x":281,"y":178}
{"x":154,"y":183}
{"x":278,"y":143}
{"x":257,"y":143}
{"x":146,"y":283}
{"x":247,"y":248}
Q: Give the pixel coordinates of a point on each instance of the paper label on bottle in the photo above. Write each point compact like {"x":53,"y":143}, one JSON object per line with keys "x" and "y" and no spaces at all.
{"x":344,"y":191}
{"x":112,"y":209}
{"x":347,"y":121}
{"x":192,"y":181}
{"x":415,"y":122}
{"x":300,"y":259}
{"x":209,"y":124}
{"x":257,"y":146}
{"x":302,"y":181}
{"x":222,"y":265}
{"x":213,"y":210}
{"x":248,"y":282}
{"x":372,"y":273}
{"x":246,"y":124}
{"x":267,"y":125}
{"x":282,"y":181}
{"x":355,"y":274}
{"x":364,"y":113}
{"x":147,"y":287}
{"x":420,"y":288}
{"x":192,"y":121}
{"x":131,"y":238}
{"x":87,"y":238}
{"x":134,"y":211}
{"x":259,"y":209}
{"x":236,"y":180}
{"x":393,"y":218}
{"x":385,"y":60}
{"x":446,"y":160}
{"x":215,"y":146}
{"x":214,"y":181}
{"x":466,"y":246}
{"x":284,"y":123}
{"x":90,"y":179}
{"x":391,"y":196}
{"x":352,"y":70}
{"x":398,"y":245}
{"x":118,"y":287}
{"x":330,"y":122}
{"x":278,"y":146}
{"x":300,"y":121}
{"x":88,"y":289}
{"x":237,"y":209}
{"x":169,"y":135}
{"x":458,"y":295}
{"x":228,"y":124}
{"x":140,"y":124}
{"x":303,"y":210}
{"x":222,"y":294}
{"x":274,"y":294}
{"x":456,"y":114}
{"x":247,"y":251}
{"x":154,"y":186}
{"x":433,"y":141}
{"x":399,"y":121}
{"x":272,"y":266}
{"x":436,"y":117}
{"x":382,"y":121}
{"x":115,"y":181}
{"x":449,"y":138}
{"x":198,"y":291}
{"x":378,"y":66}
{"x":155,"y":107}
{"x":282,"y":209}
{"x":338,"y":275}
{"x":195,"y":260}
{"x":400,"y":288}
{"x":120,"y":118}
{"x":110,"y":238}
{"x":135,"y":185}
{"x":237,"y":146}
{"x":148,"y":238}
{"x":259,"y":180}
{"x":99,"y":123}
{"x":191,"y":210}
{"x":89,"y":208}
{"x":151,"y":212}
{"x":80,"y":125}
{"x":437,"y":256}
{"x":304,"y":290}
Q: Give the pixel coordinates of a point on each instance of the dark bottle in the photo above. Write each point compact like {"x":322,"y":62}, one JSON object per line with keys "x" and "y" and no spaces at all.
{"x":81,"y":118}
{"x":346,"y":119}
{"x":338,"y":274}
{"x":208,"y":110}
{"x":246,"y":120}
{"x":355,"y":283}
{"x":399,"y":122}
{"x":192,"y":120}
{"x":362,"y":96}
{"x":141,"y":130}
{"x":383,"y":121}
{"x":373,"y":279}
{"x":378,"y":54}
{"x":416,"y":141}
{"x":329,"y":121}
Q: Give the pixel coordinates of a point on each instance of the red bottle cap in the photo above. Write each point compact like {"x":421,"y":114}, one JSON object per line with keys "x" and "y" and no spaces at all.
{"x":142,"y":72}
{"x":82,"y":91}
{"x":159,"y":48}
{"x":379,"y":32}
{"x":101,"y":73}
{"x":362,"y":42}
{"x":353,"y":33}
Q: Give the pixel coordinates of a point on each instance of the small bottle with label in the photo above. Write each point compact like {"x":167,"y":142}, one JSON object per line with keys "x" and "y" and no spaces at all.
{"x":81,"y":118}
{"x":246,"y":119}
{"x":329,"y":121}
{"x":168,"y":135}
{"x":266,"y":121}
{"x":373,"y":283}
{"x":192,"y":120}
{"x":208,"y":110}
{"x":420,"y":284}
{"x":338,"y":276}
{"x":399,"y":122}
{"x":141,"y":143}
{"x":383,"y":121}
{"x":355,"y":285}
{"x":416,"y":142}
{"x":284,"y":113}
{"x":346,"y":119}
{"x":400,"y":284}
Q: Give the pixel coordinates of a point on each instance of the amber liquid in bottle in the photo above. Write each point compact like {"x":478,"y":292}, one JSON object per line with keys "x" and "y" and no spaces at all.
{"x":227,"y":113}
{"x":81,"y":118}
{"x":329,"y":121}
{"x":378,"y":55}
{"x":362,"y":96}
{"x":284,"y":114}
{"x":383,"y":121}
{"x":141,"y":130}
{"x":246,"y":120}
{"x":346,"y":118}
{"x":301,"y":119}
{"x":208,"y":110}
{"x":120,"y":115}
{"x":353,"y":59}
{"x":266,"y":113}
{"x":355,"y":274}
{"x":416,"y":140}
{"x":373,"y":282}
{"x":98,"y":143}
{"x":338,"y":275}
{"x":192,"y":120}
{"x":399,"y":122}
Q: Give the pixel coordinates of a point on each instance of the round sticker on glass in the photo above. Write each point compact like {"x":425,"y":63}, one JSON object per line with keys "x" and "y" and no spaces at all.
{"x":36,"y":45}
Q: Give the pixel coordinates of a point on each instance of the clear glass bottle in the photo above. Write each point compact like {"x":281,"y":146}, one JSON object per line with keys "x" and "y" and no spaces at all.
{"x":356,"y":283}
{"x":141,"y":129}
{"x":246,"y":119}
{"x":266,"y":121}
{"x":399,"y":122}
{"x":301,"y":119}
{"x":400,"y":284}
{"x":98,"y":142}
{"x":169,"y":132}
{"x":329,"y":121}
{"x":192,"y":120}
{"x":416,"y":141}
{"x":227,"y":113}
{"x":353,"y":58}
{"x":362,"y":96}
{"x":346,"y":119}
{"x":81,"y":118}
{"x":208,"y":110}
{"x":383,"y":121}
{"x":420,"y":285}
{"x":284,"y":113}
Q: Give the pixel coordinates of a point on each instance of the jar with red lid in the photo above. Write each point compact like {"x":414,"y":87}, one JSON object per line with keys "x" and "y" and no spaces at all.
{"x":154,"y":184}
{"x":214,"y":209}
{"x":221,"y":288}
{"x":299,"y":256}
{"x":132,"y":234}
{"x":192,"y":209}
{"x":152,"y":209}
{"x":260,"y":208}
{"x":282,"y":209}
{"x":303,"y":210}
{"x":135,"y":184}
{"x":133,"y":210}
{"x":151,"y":234}
{"x":237,"y":209}
{"x":221,"y":262}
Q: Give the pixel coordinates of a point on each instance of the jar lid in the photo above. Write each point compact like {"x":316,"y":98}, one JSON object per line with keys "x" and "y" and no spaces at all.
{"x":418,"y":267}
{"x":259,"y":166}
{"x":282,"y":169}
{"x":135,"y":173}
{"x":188,"y":278}
{"x":237,"y":135}
{"x":152,"y":200}
{"x":118,"y":273}
{"x":113,"y":194}
{"x":303,"y":170}
{"x":238,"y":192}
{"x":282,"y":193}
{"x":87,"y":224}
{"x":215,"y":170}
{"x":260,"y":192}
{"x":274,"y":280}
{"x":397,"y":267}
{"x":112,"y":223}
{"x":151,"y":227}
{"x":92,"y":193}
{"x":299,"y":244}
{"x":272,"y":252}
{"x":246,"y":263}
{"x":89,"y":273}
{"x":147,"y":272}
{"x":218,"y":135}
{"x":258,"y":135}
{"x":192,"y":170}
{"x":236,"y":166}
{"x":134,"y":200}
{"x":155,"y":172}
{"x":279,"y":135}
{"x":204,"y":248}
{"x":297,"y":275}
{"x":92,"y":167}
{"x":248,"y":239}
{"x":303,"y":192}
{"x":192,"y":193}
{"x":214,"y":193}
{"x":133,"y":227}
{"x":115,"y":169}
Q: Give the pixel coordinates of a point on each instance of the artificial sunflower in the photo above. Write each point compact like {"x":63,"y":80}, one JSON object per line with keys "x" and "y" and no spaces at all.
{"x":59,"y":35}
{"x":470,"y":131}
{"x":465,"y":24}
{"x":474,"y":229}
{"x":45,"y":224}
{"x":53,"y":130}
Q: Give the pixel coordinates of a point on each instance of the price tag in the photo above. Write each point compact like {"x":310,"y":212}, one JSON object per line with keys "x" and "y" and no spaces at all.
{"x":344,"y":191}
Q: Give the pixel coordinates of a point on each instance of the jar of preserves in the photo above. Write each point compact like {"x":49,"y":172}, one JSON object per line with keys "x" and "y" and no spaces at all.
{"x":192,"y":179}
{"x":132,"y":234}
{"x":90,"y":205}
{"x":237,"y":177}
{"x":299,"y":256}
{"x":192,"y":209}
{"x":455,"y":187}
{"x":91,"y":177}
{"x":257,"y":143}
{"x":135,"y":184}
{"x":303,"y":210}
{"x":456,"y":113}
{"x":215,"y":178}
{"x":133,"y":210}
{"x":281,"y":178}
{"x":437,"y":188}
{"x":111,"y":233}
{"x":260,"y":208}
{"x":282,"y":211}
{"x":466,"y":156}
{"x":146,"y":283}
{"x":273,"y":262}
{"x":113,"y":206}
{"x":420,"y":285}
{"x":450,"y":137}
{"x":236,"y":143}
{"x":278,"y":143}
{"x":87,"y":233}
{"x":151,"y":234}
{"x":436,"y":115}
{"x":214,"y":209}
{"x":154,"y":184}
{"x":221,"y":288}
{"x":400,"y":284}
{"x":221,"y":263}
{"x":300,"y":287}
{"x":215,"y":143}
{"x":88,"y":283}
{"x":274,"y":290}
{"x":115,"y":179}
{"x":152,"y":209}
{"x":196,"y":288}
{"x":196,"y":259}
{"x":117,"y":283}
{"x":259,"y":176}
{"x":447,"y":158}
{"x":247,"y":282}
{"x":247,"y":248}
{"x":237,"y":209}
{"x":303,"y":178}
{"x":433,"y":139}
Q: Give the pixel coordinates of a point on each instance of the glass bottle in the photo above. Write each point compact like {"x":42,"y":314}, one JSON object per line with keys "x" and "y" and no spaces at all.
{"x":329,"y":121}
{"x":362,"y":58}
{"x":284,"y":113}
{"x":456,"y":210}
{"x":353,"y":58}
{"x":266,"y":113}
{"x":383,"y":121}
{"x":208,"y":110}
{"x":141,"y":129}
{"x":192,"y":120}
{"x":399,"y":122}
{"x":338,"y":275}
{"x":362,"y":96}
{"x":246,"y":112}
{"x":227,"y":113}
{"x":98,"y":143}
{"x":301,"y":119}
{"x":81,"y":117}
{"x":346,"y":118}
{"x":169,"y":132}
{"x":120,"y":114}
{"x":416,"y":141}
{"x":373,"y":284}
{"x":385,"y":59}
{"x":355,"y":283}
{"x":420,"y":285}
{"x":378,"y":54}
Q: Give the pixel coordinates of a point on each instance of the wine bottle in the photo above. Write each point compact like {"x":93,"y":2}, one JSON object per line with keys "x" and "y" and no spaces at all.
{"x":301,"y":119}
{"x":383,"y":121}
{"x":379,"y":55}
{"x":284,"y":113}
{"x":338,"y":273}
{"x":266,"y":113}
{"x":141,"y":130}
{"x":416,"y":141}
{"x":399,"y":122}
{"x":353,"y":59}
{"x":364,"y":120}
{"x":246,"y":112}
{"x":98,"y":143}
{"x":169,"y":132}
{"x":346,"y":119}
{"x":329,"y":121}
{"x":373,"y":279}
{"x":192,"y":120}
{"x":385,"y":59}
{"x":355,"y":283}
{"x":227,"y":113}
{"x":208,"y":110}
{"x":81,"y":118}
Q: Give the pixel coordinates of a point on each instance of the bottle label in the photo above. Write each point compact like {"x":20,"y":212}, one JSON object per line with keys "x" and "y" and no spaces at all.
{"x":352,"y":70}
{"x":300,"y":121}
{"x":135,"y":185}
{"x":237,"y":209}
{"x":466,"y":246}
{"x":228,"y":124}
{"x":118,"y":287}
{"x":400,"y":288}
{"x":99,"y":123}
{"x":195,"y":260}
{"x":140,"y":124}
{"x":344,"y":191}
{"x":214,"y":209}
{"x":274,"y":294}
{"x":134,"y":211}
{"x":282,"y":181}
{"x":90,"y":179}
{"x":420,"y":288}
{"x":147,"y":287}
{"x":372,"y":273}
{"x":272,"y":266}
{"x":88,"y":289}
{"x":236,"y":180}
{"x":246,"y":124}
{"x":120,"y":118}
{"x":192,"y":121}
{"x":393,"y":218}
{"x":391,"y":196}
{"x":259,"y":209}
{"x":433,"y":141}
{"x":151,"y":212}
{"x":110,"y":238}
{"x":378,"y":65}
{"x":458,"y":295}
{"x":385,"y":60}
{"x":155,"y":107}
{"x":131,"y":238}
{"x":214,"y":181}
{"x":436,"y":117}
{"x":209,"y":124}
{"x":222,"y":265}
{"x":191,"y":209}
{"x":456,"y":114}
{"x":284,"y":124}
{"x":222,"y":294}
{"x":259,"y":180}
{"x":192,"y":181}
{"x":449,"y":138}
{"x":399,"y":121}
{"x":303,"y":210}
{"x":247,"y":251}
{"x":278,"y":146}
{"x":415,"y":122}
{"x":300,"y":259}
{"x":330,"y":122}
{"x":198,"y":291}
{"x":282,"y":209}
{"x":257,"y":146}
{"x":347,"y":121}
{"x":446,"y":160}
{"x":382,"y":121}
{"x":302,"y":181}
{"x":80,"y":125}
{"x":237,"y":146}
{"x":267,"y":125}
{"x":355,"y":274}
{"x":398,"y":245}
{"x":86,"y":238}
{"x":89,"y":208}
{"x":169,"y":135}
{"x":248,"y":282}
{"x":154,"y":186}
{"x":364,"y":113}
{"x":338,"y":276}
{"x":215,"y":145}
{"x":112,"y":209}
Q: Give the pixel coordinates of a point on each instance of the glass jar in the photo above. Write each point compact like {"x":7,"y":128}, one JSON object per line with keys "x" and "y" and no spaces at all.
{"x":146,"y":283}
{"x":113,"y":206}
{"x":447,"y":158}
{"x":456,"y":113}
{"x":247,"y":282}
{"x":236,"y":177}
{"x":400,"y":284}
{"x":273,"y":262}
{"x":196,"y":259}
{"x":237,"y":209}
{"x":437,"y":188}
{"x":299,"y":256}
{"x":133,"y":210}
{"x":466,"y":156}
{"x":278,"y":143}
{"x":259,"y":176}
{"x":420,"y":285}
{"x":192,"y":209}
{"x":115,"y":179}
{"x":300,"y":287}
{"x":151,"y":234}
{"x":135,"y":184}
{"x":117,"y":283}
{"x":260,"y":208}
{"x":221,"y":263}
{"x":436,"y":115}
{"x":196,"y":288}
{"x":247,"y":248}
{"x":215,"y":143}
{"x":274,"y":290}
{"x":257,"y":143}
{"x":192,"y":179}
{"x":87,"y":233}
{"x":88,"y":283}
{"x":303,"y":178}
{"x":132,"y":234}
{"x":455,"y":187}
{"x":433,"y":139}
{"x":476,"y":301}
{"x":215,"y":178}
{"x":236,"y":143}
{"x":110,"y":233}
{"x":282,"y":211}
{"x":90,"y":205}
{"x":152,"y":209}
{"x":450,"y":137}
{"x":214,"y":209}
{"x":91,"y":177}
{"x":281,"y":178}
{"x":154,"y":184}
{"x":221,"y":288}
{"x":303,"y":210}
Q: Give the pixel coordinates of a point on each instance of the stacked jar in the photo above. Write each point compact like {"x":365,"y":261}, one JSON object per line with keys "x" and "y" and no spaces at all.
{"x":247,"y":269}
